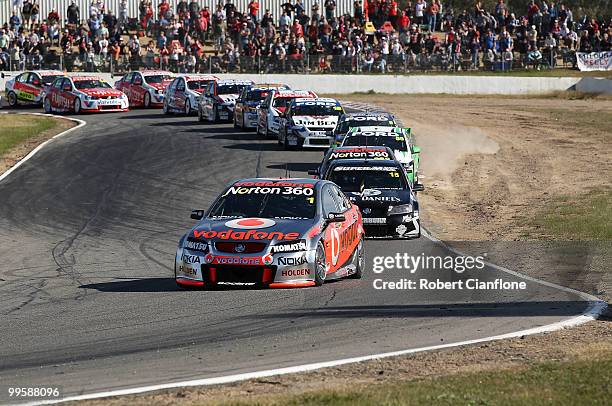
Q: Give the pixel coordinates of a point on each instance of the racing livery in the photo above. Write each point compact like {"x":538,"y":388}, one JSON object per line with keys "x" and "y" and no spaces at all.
{"x":145,"y":89}
{"x":27,"y":87}
{"x":400,"y":140}
{"x":83,"y":94}
{"x":245,"y":111}
{"x":360,"y":153}
{"x":217,"y":102}
{"x":309,"y":123}
{"x":384,"y":194}
{"x":362,"y":119}
{"x":181,"y":95}
{"x":276,"y":233}
{"x":275,"y":104}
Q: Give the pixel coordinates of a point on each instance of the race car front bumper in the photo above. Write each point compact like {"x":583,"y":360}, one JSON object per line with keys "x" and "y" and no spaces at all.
{"x":225,"y":112}
{"x":309,"y":139}
{"x":280,"y":270}
{"x":392,"y":227}
{"x":250,"y":119}
{"x":105,"y":105}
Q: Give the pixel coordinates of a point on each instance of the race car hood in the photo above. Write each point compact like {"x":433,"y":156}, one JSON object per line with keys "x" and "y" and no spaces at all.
{"x":228,"y":98}
{"x":101,"y":92}
{"x":251,"y":229}
{"x":316,"y":121}
{"x":379,"y":197}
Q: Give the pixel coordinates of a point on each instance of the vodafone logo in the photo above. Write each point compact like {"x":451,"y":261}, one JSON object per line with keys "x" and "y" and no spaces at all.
{"x":335,"y":246}
{"x":250,"y":223}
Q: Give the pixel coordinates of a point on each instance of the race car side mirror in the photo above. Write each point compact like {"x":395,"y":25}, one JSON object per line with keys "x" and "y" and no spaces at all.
{"x":313,"y":172}
{"x":418,"y":187}
{"x":197,"y":214}
{"x":335,"y":218}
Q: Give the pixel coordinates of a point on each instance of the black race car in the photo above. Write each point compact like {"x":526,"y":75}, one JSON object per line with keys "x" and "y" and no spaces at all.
{"x":345,"y":153}
{"x":383,"y":192}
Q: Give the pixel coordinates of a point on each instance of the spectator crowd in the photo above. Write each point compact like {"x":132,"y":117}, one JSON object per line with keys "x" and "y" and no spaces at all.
{"x":378,"y":36}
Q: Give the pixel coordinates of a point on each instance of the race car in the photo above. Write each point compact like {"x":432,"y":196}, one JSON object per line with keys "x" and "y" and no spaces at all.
{"x":400,"y":140}
{"x":362,"y":119}
{"x":245,"y":111}
{"x":217,"y":102}
{"x":384,"y":194}
{"x":27,"y":87}
{"x":145,"y":89}
{"x":181,"y":96}
{"x":360,"y":153}
{"x":309,"y":123}
{"x":83,"y":94}
{"x":277,"y":233}
{"x":275,"y":104}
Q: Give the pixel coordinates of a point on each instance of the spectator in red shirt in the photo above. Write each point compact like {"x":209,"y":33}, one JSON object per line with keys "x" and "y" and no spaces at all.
{"x":253,"y":10}
{"x":162,"y":9}
{"x":403,"y":22}
{"x":53,"y":17}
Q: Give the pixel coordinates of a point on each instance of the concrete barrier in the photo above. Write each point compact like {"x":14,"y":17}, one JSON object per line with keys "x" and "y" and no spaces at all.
{"x":450,"y":84}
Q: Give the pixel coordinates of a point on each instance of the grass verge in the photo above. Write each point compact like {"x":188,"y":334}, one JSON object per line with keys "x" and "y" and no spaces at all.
{"x":582,"y":217}
{"x":17,"y":129}
{"x":560,"y":383}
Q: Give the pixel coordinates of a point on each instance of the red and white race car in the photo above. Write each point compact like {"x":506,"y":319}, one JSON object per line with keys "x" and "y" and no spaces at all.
{"x":27,"y":87}
{"x":145,"y":89}
{"x":274,"y":105}
{"x":83,"y":94}
{"x":183,"y":93}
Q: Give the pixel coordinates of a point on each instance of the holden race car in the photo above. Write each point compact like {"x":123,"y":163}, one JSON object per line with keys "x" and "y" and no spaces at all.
{"x":400,"y":140}
{"x":309,"y":123}
{"x":360,"y":153}
{"x":384,"y":194}
{"x":145,"y":89}
{"x":27,"y":87}
{"x":273,"y":106}
{"x":217,"y":102}
{"x":245,"y":111}
{"x":83,"y":94}
{"x":277,"y":233}
{"x":181,"y":95}
{"x":362,"y":119}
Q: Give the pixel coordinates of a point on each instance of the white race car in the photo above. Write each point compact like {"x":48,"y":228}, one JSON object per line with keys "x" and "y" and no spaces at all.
{"x":181,"y":96}
{"x":217,"y":102}
{"x":309,"y":123}
{"x":275,"y":104}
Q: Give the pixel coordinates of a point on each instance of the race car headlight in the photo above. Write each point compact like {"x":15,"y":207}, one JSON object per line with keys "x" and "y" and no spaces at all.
{"x":401,"y":209}
{"x":289,"y":246}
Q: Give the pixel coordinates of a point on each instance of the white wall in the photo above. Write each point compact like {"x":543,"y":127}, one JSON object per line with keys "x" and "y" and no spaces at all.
{"x":456,"y":84}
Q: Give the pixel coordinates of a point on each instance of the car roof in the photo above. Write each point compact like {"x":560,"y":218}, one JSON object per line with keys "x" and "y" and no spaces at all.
{"x":317,"y":100}
{"x":270,"y":86}
{"x":154,"y":72}
{"x":370,"y":163}
{"x":78,"y":78}
{"x":377,"y":131}
{"x":294,"y":93}
{"x":47,"y":72}
{"x":349,"y":116}
{"x":189,"y":78}
{"x":234,"y":82}
{"x":275,"y":181}
{"x":359,"y":149}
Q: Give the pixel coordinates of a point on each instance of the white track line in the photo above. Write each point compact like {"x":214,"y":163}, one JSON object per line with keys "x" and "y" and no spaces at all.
{"x":595,"y":308}
{"x":80,"y":124}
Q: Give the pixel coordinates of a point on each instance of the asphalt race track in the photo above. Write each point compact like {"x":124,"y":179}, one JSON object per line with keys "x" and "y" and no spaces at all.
{"x":88,"y":232}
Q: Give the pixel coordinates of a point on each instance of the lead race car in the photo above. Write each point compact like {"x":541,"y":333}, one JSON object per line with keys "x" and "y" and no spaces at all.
{"x":275,"y":233}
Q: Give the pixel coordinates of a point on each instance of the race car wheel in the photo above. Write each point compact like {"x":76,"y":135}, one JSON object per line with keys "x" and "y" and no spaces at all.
{"x":11,"y":98}
{"x":147,"y":100}
{"x":320,"y":270}
{"x":286,"y":145}
{"x":77,"y":106}
{"x":215,"y":114}
{"x":47,"y":105}
{"x":187,"y":107}
{"x":165,"y":108}
{"x":360,"y":263}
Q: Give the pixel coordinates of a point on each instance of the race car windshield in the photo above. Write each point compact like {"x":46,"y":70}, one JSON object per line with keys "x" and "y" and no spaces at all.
{"x":358,"y":180}
{"x":90,"y":84}
{"x":307,"y":110}
{"x":197,"y":84}
{"x":265,"y":205}
{"x":47,"y":80}
{"x":395,"y":143}
{"x":256,"y":95}
{"x":282,"y":101}
{"x":229,"y":89}
{"x":157,"y":78}
{"x":346,"y":125}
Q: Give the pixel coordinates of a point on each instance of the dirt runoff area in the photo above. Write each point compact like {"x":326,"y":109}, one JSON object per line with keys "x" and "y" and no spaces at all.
{"x":489,"y":164}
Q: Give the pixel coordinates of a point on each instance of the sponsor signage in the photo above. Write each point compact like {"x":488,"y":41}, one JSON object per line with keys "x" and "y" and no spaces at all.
{"x":594,"y":61}
{"x":297,"y":246}
{"x":245,"y":235}
{"x":291,"y":261}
